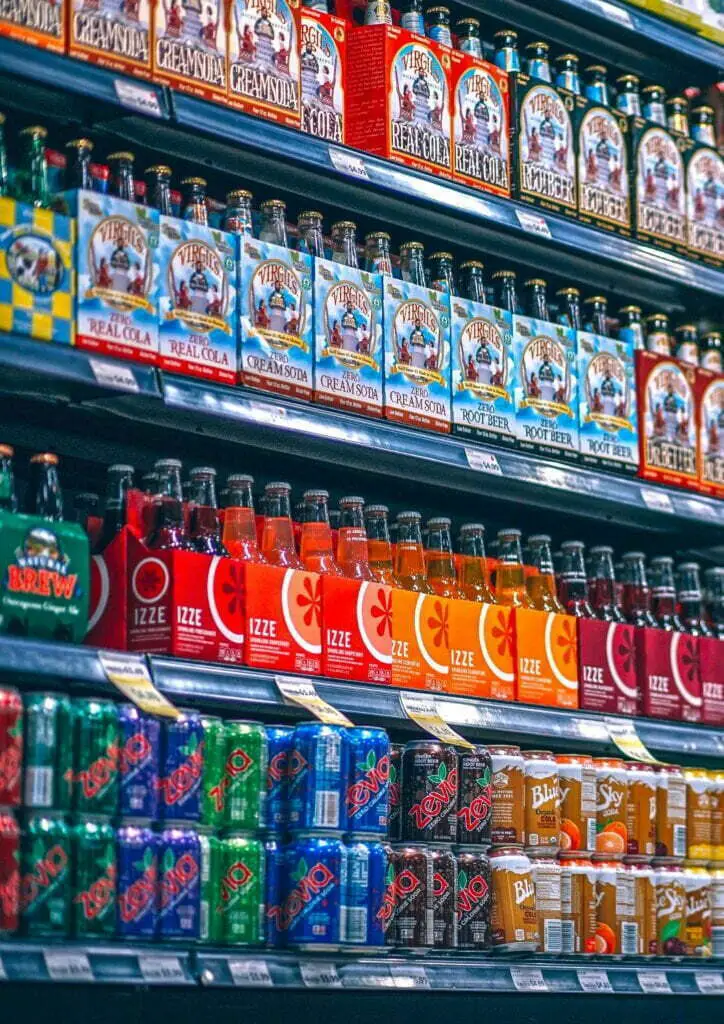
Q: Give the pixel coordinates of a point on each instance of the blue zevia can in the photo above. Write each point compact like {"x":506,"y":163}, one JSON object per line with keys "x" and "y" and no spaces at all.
{"x":179,"y":887}
{"x":364,"y":920}
{"x":182,"y":768}
{"x":368,"y":786}
{"x":279,"y":738}
{"x":316,"y":872}
{"x":137,"y":866}
{"x":140,"y":740}
{"x":318,"y":771}
{"x":274,"y":893}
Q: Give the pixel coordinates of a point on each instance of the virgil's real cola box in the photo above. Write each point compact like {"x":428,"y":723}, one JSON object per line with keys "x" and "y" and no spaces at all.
{"x":607,"y":667}
{"x":546,"y":653}
{"x":417,"y":355}
{"x":658,"y":185}
{"x":323,"y":74}
{"x":607,"y":420}
{"x":604,"y":190}
{"x":263,"y":59}
{"x":112,"y":34}
{"x":398,"y":97}
{"x":704,"y":189}
{"x":711,"y":671}
{"x":668,"y":674}
{"x":667,"y":420}
{"x":483,"y":371}
{"x":189,"y":47}
{"x":709,"y":391}
{"x":349,"y":355}
{"x":41,"y":23}
{"x":420,"y":641}
{"x":357,"y":630}
{"x":480,"y":107}
{"x":482,"y":650}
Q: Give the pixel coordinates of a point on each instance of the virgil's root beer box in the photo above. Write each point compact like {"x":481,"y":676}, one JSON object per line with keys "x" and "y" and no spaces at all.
{"x":112,"y":34}
{"x":38,"y":22}
{"x":711,"y":671}
{"x":607,"y":421}
{"x":546,"y":387}
{"x":357,"y":630}
{"x":710,"y":405}
{"x":704,"y":189}
{"x":197,"y":301}
{"x":483,"y":371}
{"x":668,"y":674}
{"x":658,"y":185}
{"x":283,"y":619}
{"x":398,"y":97}
{"x":263,"y":59}
{"x":482,"y":650}
{"x":420,"y":641}
{"x":323,"y":74}
{"x":667,"y":420}
{"x":277,"y":332}
{"x":349,"y":353}
{"x":189,"y":46}
{"x":607,"y":667}
{"x":604,"y":191}
{"x":480,"y":103}
{"x":546,"y":652}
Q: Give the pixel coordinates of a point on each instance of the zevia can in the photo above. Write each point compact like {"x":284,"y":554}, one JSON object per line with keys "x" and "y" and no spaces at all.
{"x":182,"y":767}
{"x":474,"y":798}
{"x":366,"y":879}
{"x":316,"y":873}
{"x":274,"y":892}
{"x":444,"y":899}
{"x":542,"y":803}
{"x":578,"y":905}
{"x":473,"y":899}
{"x":670,"y":909}
{"x":577,"y":783}
{"x":179,"y":890}
{"x":45,"y":877}
{"x":698,"y":816}
{"x":95,"y":775}
{"x":137,"y":863}
{"x":394,"y":823}
{"x":697,"y":928}
{"x":210,"y":924}
{"x":93,"y":844}
{"x":408,"y":897}
{"x":368,"y":785}
{"x":140,"y":757}
{"x":48,"y":751}
{"x":513,"y":915}
{"x":277,"y":784}
{"x":507,"y":823}
{"x":240,"y":889}
{"x":11,"y":745}
{"x":547,"y":880}
{"x":640,"y":812}
{"x":670,"y":814}
{"x":611,"y":809}
{"x":429,"y":792}
{"x":9,"y":874}
{"x":318,"y":768}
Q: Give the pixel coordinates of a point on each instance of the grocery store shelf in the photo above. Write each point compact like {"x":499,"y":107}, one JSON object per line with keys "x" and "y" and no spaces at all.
{"x":87,"y":963}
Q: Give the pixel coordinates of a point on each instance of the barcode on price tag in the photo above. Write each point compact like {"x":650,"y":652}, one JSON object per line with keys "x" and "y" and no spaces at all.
{"x":250,"y":973}
{"x":348,"y":163}
{"x":161,"y":969}
{"x":68,"y":966}
{"x":319,"y":975}
{"x":528,"y":979}
{"x":709,"y":982}
{"x":655,"y":982}
{"x":410,"y":977}
{"x":594,"y":981}
{"x":111,"y":375}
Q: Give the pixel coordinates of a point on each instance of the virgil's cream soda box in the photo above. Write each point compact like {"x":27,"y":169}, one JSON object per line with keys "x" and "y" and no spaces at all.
{"x":283,"y":619}
{"x":607,"y":667}
{"x":349,"y":352}
{"x":41,"y":23}
{"x":710,"y":407}
{"x":668,"y":674}
{"x":546,"y":388}
{"x":711,"y":671}
{"x":323,"y":74}
{"x":480,"y":106}
{"x":667,"y":420}
{"x":658,"y":185}
{"x":705,"y":205}
{"x":197,"y":301}
{"x":546,"y":651}
{"x":417,"y":355}
{"x":398,"y":97}
{"x":189,"y":46}
{"x":277,"y":333}
{"x":420,"y":641}
{"x":483,"y":374}
{"x":116,"y":264}
{"x":607,"y":421}
{"x":263,"y":56}
{"x":112,"y":34}
{"x":356,"y":630}
{"x":604,"y":190}
{"x":482,"y":650}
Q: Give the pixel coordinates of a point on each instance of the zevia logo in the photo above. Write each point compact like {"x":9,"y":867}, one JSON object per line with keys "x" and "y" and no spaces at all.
{"x":100,"y":896}
{"x":177,"y":878}
{"x":437,"y":802}
{"x":135,"y":754}
{"x":46,"y":874}
{"x":237,"y":764}
{"x":370,"y":786}
{"x":277,"y":770}
{"x":185,"y":778}
{"x":41,"y":568}
{"x":34,"y":263}
{"x":140,"y":896}
{"x":311,"y":886}
{"x":473,"y":893}
{"x":95,"y":779}
{"x":400,"y":890}
{"x":297,"y":768}
{"x":231,"y":888}
{"x":478,"y":810}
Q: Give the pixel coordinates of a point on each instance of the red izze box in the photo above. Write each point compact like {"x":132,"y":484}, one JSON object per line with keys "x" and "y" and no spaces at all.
{"x":668,"y":672}
{"x":357,"y":630}
{"x":711,"y":670}
{"x":283,"y":619}
{"x":607,"y":667}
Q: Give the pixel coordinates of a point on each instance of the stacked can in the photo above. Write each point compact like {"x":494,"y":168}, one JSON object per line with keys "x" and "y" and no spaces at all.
{"x":577,"y":783}
{"x":641,"y":791}
{"x":11,"y":759}
{"x":716,"y":866}
{"x":668,"y":863}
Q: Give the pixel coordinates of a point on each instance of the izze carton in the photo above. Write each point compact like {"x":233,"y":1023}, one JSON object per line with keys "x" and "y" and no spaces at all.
{"x":667,"y":420}
{"x":417,"y":355}
{"x":604,"y":190}
{"x":481,"y":123}
{"x":704,"y":189}
{"x":115,"y":35}
{"x":277,"y":333}
{"x":41,"y":23}
{"x":283,"y":619}
{"x":263,"y":53}
{"x":546,"y":389}
{"x":668,"y":672}
{"x":546,"y":646}
{"x":189,"y":46}
{"x":420,"y":641}
{"x":710,"y":407}
{"x":483,"y":371}
{"x":197,"y":301}
{"x":323,"y":74}
{"x":711,"y":671}
{"x":356,"y":630}
{"x":348,"y":359}
{"x":607,"y":667}
{"x":607,"y":418}
{"x":482,"y":650}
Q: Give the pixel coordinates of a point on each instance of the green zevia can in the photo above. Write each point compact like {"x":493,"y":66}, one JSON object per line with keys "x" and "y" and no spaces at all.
{"x":93,"y":905}
{"x":45,"y":877}
{"x":48,"y":751}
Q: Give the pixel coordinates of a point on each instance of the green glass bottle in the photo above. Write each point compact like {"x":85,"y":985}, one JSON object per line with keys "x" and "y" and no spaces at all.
{"x":32,"y":178}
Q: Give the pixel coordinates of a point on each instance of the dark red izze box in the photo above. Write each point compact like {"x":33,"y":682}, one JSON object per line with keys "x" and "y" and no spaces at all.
{"x":668,"y":671}
{"x":607,"y":667}
{"x":711,"y":670}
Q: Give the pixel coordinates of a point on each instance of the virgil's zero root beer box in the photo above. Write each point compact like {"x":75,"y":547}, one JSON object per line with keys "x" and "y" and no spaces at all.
{"x":604,"y":191}
{"x":667,"y":420}
{"x":189,"y":46}
{"x":263,"y":59}
{"x":41,"y":23}
{"x":480,"y":107}
{"x":608,"y":423}
{"x":323,"y":74}
{"x":112,"y":34}
{"x":483,"y":371}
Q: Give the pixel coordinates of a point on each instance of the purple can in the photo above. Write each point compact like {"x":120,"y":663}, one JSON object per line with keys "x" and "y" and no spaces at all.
{"x":140,"y":739}
{"x":137,"y":866}
{"x":179,"y":886}
{"x":275,"y":887}
{"x":279,"y":738}
{"x":182,"y":768}
{"x":318,"y":771}
{"x":368,"y":783}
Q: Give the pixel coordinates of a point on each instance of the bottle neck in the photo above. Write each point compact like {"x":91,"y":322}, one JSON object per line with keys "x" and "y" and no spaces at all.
{"x":8,"y":500}
{"x":274,"y":228}
{"x":507,"y":296}
{"x":316,"y":549}
{"x":352,"y":548}
{"x":158,"y":195}
{"x":413,"y":269}
{"x":77,"y":171}
{"x":122,"y":184}
{"x":44,"y":495}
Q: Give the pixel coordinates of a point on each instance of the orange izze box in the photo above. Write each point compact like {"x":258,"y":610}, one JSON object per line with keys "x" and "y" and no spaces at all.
{"x":482,"y":662}
{"x":547,"y":658}
{"x":283,"y":619}
{"x":41,"y":23}
{"x":356,"y":630}
{"x":420,"y":641}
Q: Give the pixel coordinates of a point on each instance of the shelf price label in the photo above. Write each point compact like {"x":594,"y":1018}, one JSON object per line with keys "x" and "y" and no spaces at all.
{"x":129,"y":674}
{"x":533,"y":223}
{"x":304,"y":693}
{"x":250,"y":973}
{"x":425,"y":712}
{"x":161,"y":969}
{"x":483,"y":462}
{"x":594,"y":981}
{"x":348,"y":163}
{"x":410,"y":977}
{"x":623,"y":734}
{"x":62,"y":966}
{"x":141,"y":98}
{"x":709,"y":982}
{"x":319,"y":975}
{"x":528,"y":979}
{"x":657,"y":501}
{"x":654,"y":982}
{"x":111,"y":375}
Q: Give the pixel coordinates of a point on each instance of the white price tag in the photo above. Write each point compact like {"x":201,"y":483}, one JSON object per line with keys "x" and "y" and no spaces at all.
{"x":272,"y":415}
{"x":657,"y":501}
{"x":140,"y":98}
{"x":594,"y":981}
{"x":410,"y":977}
{"x":68,"y":966}
{"x":319,"y":975}
{"x":164,"y":969}
{"x":613,"y":13}
{"x":348,"y":163}
{"x":425,"y":711}
{"x":533,"y":223}
{"x":588,"y":729}
{"x":303,"y":693}
{"x":528,"y":979}
{"x":250,"y":973}
{"x":483,"y":462}
{"x":365,"y":980}
{"x":129,"y":674}
{"x":654,"y":982}
{"x":709,"y":982}
{"x":112,"y":376}
{"x":3,"y":973}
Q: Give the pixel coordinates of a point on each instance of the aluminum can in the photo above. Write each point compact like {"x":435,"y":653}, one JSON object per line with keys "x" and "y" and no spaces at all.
{"x":318,"y":771}
{"x":275,"y":932}
{"x":137,"y":865}
{"x":670,"y":909}
{"x":578,"y":905}
{"x":95,"y":780}
{"x":542,"y":804}
{"x":179,"y":887}
{"x":429,"y":792}
{"x":368,"y":784}
{"x":240,"y":902}
{"x":48,"y":751}
{"x":475,"y":798}
{"x":547,"y":879}
{"x":140,"y":759}
{"x":45,"y":876}
{"x":671,"y":833}
{"x":279,"y":738}
{"x":245,"y":776}
{"x":407,"y":904}
{"x":182,"y":768}
{"x":513,"y":915}
{"x":93,"y":843}
{"x":611,"y":809}
{"x":577,"y":782}
{"x":9,"y":874}
{"x":316,"y":873}
{"x":366,"y":880}
{"x":11,"y":746}
{"x":212,"y":786}
{"x":394,"y":823}
{"x":210,"y":924}
{"x":640,"y":812}
{"x":473,"y":898}
{"x":444,"y":898}
{"x":508,"y":812}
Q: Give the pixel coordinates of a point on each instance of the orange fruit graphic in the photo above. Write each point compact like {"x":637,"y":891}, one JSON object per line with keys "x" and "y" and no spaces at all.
{"x":570,"y":835}
{"x":302,"y":609}
{"x":613,"y":838}
{"x":561,"y":649}
{"x":374,"y":620}
{"x":605,"y":939}
{"x":431,"y":632}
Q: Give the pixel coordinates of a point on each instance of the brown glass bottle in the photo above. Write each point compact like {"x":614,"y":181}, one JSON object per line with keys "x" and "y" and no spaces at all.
{"x":167,"y":524}
{"x":714,"y":599}
{"x":379,"y":545}
{"x":541,"y":583}
{"x":410,"y":568}
{"x":636,"y":592}
{"x":663,"y":593}
{"x":602,"y":591}
{"x":205,"y":524}
{"x":44,"y":496}
{"x":510,"y":586}
{"x":472,"y":568}
{"x":119,"y":478}
{"x":441,"y":573}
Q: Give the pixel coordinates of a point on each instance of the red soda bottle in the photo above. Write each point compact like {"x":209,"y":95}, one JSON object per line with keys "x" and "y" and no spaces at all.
{"x":636,"y":592}
{"x":277,"y":541}
{"x":572,"y":582}
{"x":352,"y":549}
{"x":472,"y":569}
{"x":239,"y":533}
{"x":410,"y":568}
{"x":602,"y":584}
{"x":167,"y":529}
{"x":205,"y":525}
{"x":663,"y":594}
{"x":441,"y":573}
{"x":690,"y":600}
{"x":715,"y":599}
{"x":510,"y":586}
{"x":316,"y":552}
{"x":379,"y":546}
{"x":541,"y":584}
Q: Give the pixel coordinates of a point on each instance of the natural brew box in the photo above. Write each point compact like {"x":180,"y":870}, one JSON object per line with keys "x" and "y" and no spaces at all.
{"x":398,"y":97}
{"x":483,"y":371}
{"x":41,"y":23}
{"x":420,"y":641}
{"x":709,"y":393}
{"x":189,"y":47}
{"x":480,"y":102}
{"x":604,"y":188}
{"x":668,"y":675}
{"x":607,"y":420}
{"x":658,"y":185}
{"x":607,"y":667}
{"x":263,"y":59}
{"x":704,"y":189}
{"x":356,"y":630}
{"x":667,"y":420}
{"x":323,"y":74}
{"x":482,"y":650}
{"x":112,"y":34}
{"x":546,"y":655}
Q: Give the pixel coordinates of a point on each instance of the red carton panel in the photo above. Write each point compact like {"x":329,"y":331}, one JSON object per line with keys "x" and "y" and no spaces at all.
{"x":668,"y":672}
{"x":482,"y":655}
{"x":709,"y":390}
{"x":480,"y":138}
{"x":357,"y":630}
{"x":283,"y":619}
{"x":667,"y":420}
{"x":607,"y":667}
{"x":711,"y":671}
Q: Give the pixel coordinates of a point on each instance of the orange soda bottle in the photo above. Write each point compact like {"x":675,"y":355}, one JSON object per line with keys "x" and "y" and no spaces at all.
{"x":541,"y":583}
{"x":317,"y":552}
{"x":277,"y":541}
{"x":410,"y":556}
{"x":472,"y":570}
{"x":352,"y":549}
{"x":510,"y":575}
{"x":440,"y":565}
{"x":379,"y":546}
{"x":239,"y":535}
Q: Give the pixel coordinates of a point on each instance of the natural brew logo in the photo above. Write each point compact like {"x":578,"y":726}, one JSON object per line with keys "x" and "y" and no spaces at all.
{"x":349,"y":326}
{"x":322,"y":86}
{"x":234,"y":881}
{"x":437,"y":802}
{"x":235,"y":770}
{"x":546,"y":377}
{"x":120,"y":264}
{"x":44,"y":16}
{"x":473,"y":896}
{"x":603,"y":183}
{"x":120,"y":29}
{"x":607,"y":393}
{"x":545,"y":147}
{"x":185,"y":778}
{"x":140,"y":896}
{"x":370,"y":785}
{"x":42,"y":568}
{"x":481,"y":129}
{"x":661,"y":205}
{"x":477,"y":812}
{"x":100,"y":896}
{"x":669,"y":420}
{"x":178,"y":878}
{"x":711,"y":433}
{"x":483,"y":355}
{"x":95,"y":780}
{"x":264,"y":53}
{"x":705,"y":202}
{"x":310,"y":887}
{"x":187,"y":40}
{"x":418,"y":344}
{"x":420,"y":105}
{"x":34,"y":263}
{"x":197,"y":284}
{"x":47,"y":871}
{"x":277,"y":303}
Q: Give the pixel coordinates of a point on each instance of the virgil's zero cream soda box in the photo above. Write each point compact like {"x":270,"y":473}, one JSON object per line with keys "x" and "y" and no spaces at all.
{"x":356,"y":630}
{"x":480,"y":108}
{"x":668,"y":675}
{"x":263,"y":59}
{"x":607,"y":416}
{"x":667,"y":420}
{"x":704,"y":189}
{"x":189,"y":47}
{"x":483,"y":371}
{"x":709,"y":389}
{"x":546,"y":646}
{"x":398,"y":97}
{"x":41,"y":23}
{"x":604,"y":190}
{"x":420,"y":641}
{"x":607,"y":667}
{"x":482,"y":649}
{"x":115,"y":35}
{"x":323,"y":74}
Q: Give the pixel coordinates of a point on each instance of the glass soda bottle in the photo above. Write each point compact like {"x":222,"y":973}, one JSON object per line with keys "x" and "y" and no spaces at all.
{"x":541,"y":584}
{"x":636,"y":592}
{"x":193,"y":200}
{"x":663,"y":594}
{"x":4,"y":175}
{"x":536,"y":298}
{"x":352,"y":548}
{"x":237,"y":216}
{"x":505,"y":286}
{"x":277,"y":540}
{"x":377,"y":253}
{"x":570,"y":306}
{"x":412,"y":262}
{"x":239,"y":533}
{"x":310,"y":233}
{"x":379,"y":546}
{"x":714,"y":598}
{"x":122,"y":184}
{"x":510,"y":586}
{"x":441,"y":573}
{"x":167,"y":530}
{"x":410,"y":568}
{"x":8,"y":498}
{"x":32,"y":175}
{"x":344,"y":243}
{"x":158,"y":188}
{"x":85,"y":507}
{"x":119,"y":478}
{"x":472,"y":569}
{"x":205,"y":525}
{"x":273,"y":222}
{"x":572,"y":582}
{"x":317,"y":552}
{"x":77,"y":164}
{"x":690,"y":600}
{"x":602,"y":584}
{"x":471,"y":282}
{"x":44,"y":496}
